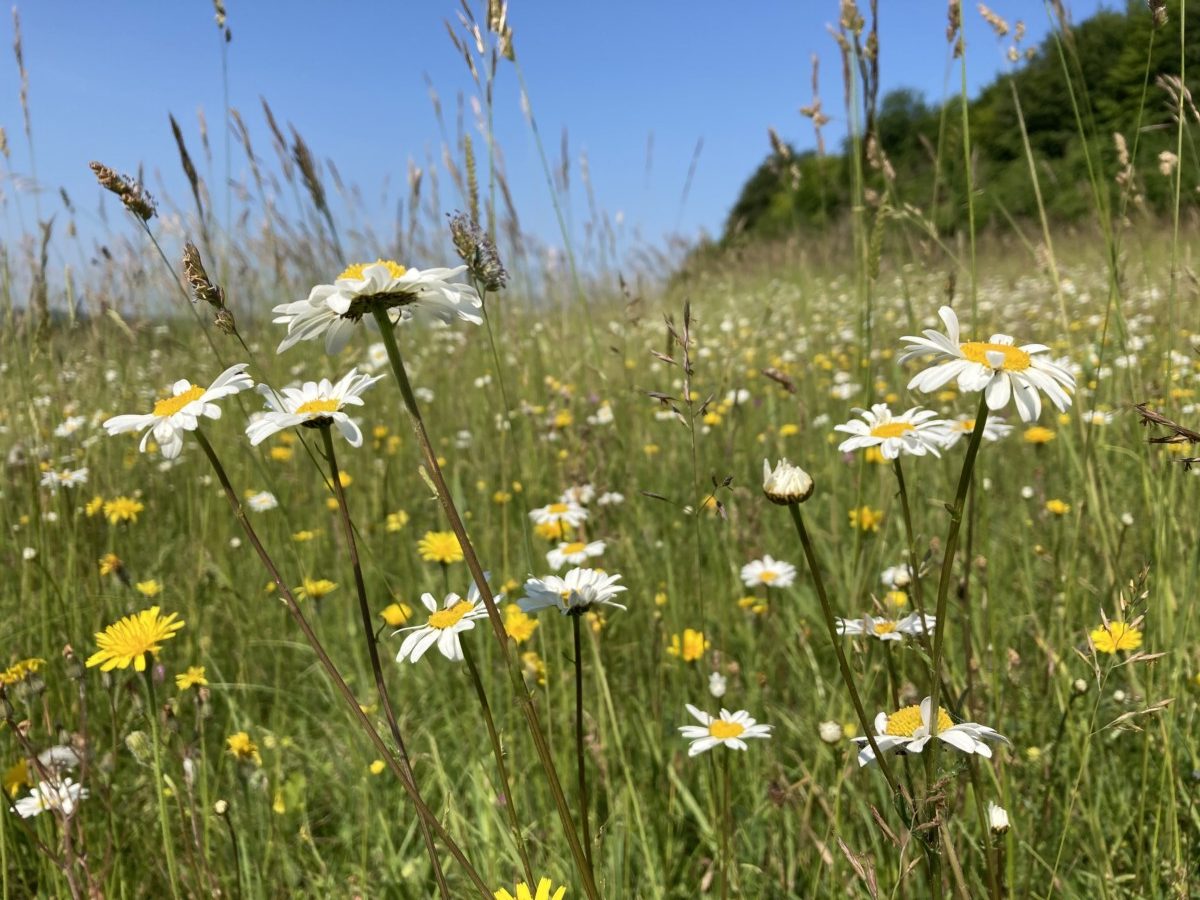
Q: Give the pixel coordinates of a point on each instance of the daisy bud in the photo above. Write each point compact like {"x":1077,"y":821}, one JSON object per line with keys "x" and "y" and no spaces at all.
{"x":997,"y":818}
{"x":221,"y":807}
{"x":1080,"y":686}
{"x":787,"y":485}
{"x":830,"y":732}
{"x":716,"y":685}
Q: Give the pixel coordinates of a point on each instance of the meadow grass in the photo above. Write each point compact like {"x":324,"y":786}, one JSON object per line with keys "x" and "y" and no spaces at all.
{"x":264,"y":781}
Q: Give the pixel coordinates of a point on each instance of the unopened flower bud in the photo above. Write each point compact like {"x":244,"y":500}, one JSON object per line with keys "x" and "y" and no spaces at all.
{"x":716,"y":685}
{"x":1080,"y":686}
{"x":997,"y":818}
{"x":138,"y":743}
{"x":787,"y":484}
{"x":830,"y":732}
{"x":221,"y":807}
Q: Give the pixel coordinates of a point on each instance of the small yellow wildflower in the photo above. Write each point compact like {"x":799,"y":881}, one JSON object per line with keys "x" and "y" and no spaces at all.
{"x":660,"y":599}
{"x":396,"y":521}
{"x":1037,"y":434}
{"x":282,"y":454}
{"x":551,"y":531}
{"x":533,"y":667}
{"x":545,"y":891}
{"x":21,"y":668}
{"x":519,"y":625}
{"x":243,"y":748}
{"x":17,"y":778}
{"x":866,"y":519}
{"x":564,"y":419}
{"x":130,"y":639}
{"x":93,"y":506}
{"x":396,"y":614}
{"x":193,"y":677}
{"x":377,"y":766}
{"x":440,"y":547}
{"x":690,"y":646}
{"x":149,"y":588}
{"x":301,"y":537}
{"x":110,"y":563}
{"x":122,"y":509}
{"x":1117,"y":636}
{"x":316,"y":588}
{"x":1057,"y":507}
{"x":651,"y":449}
{"x":501,"y":497}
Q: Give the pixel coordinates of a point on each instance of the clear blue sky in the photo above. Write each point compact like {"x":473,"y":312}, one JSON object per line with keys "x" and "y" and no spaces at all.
{"x":103,"y":77}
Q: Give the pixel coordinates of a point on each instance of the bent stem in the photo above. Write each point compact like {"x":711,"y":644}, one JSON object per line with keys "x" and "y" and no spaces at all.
{"x":580,"y":760}
{"x":364,"y":609}
{"x":517,"y":682}
{"x":510,"y":804}
{"x":848,"y":678}
{"x":331,"y":669}
{"x":168,"y":848}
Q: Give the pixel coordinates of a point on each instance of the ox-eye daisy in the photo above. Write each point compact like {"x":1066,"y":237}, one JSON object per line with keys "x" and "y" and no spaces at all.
{"x":334,"y":310}
{"x":907,"y":730}
{"x":576,"y":592}
{"x":887,"y":629}
{"x":567,"y":511}
{"x":917,"y":431}
{"x":730,"y":729}
{"x":994,"y":429}
{"x":62,"y":797}
{"x":575,"y":553}
{"x":443,"y":626}
{"x":181,"y":410}
{"x":998,"y":367}
{"x":769,"y":572}
{"x":315,"y":404}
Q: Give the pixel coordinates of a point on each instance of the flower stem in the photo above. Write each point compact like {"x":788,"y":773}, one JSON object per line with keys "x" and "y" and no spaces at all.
{"x":726,"y":824}
{"x":335,"y":676}
{"x":580,"y":759}
{"x":847,"y":677}
{"x":364,"y":609}
{"x":510,"y":804}
{"x":168,"y":849}
{"x":520,"y":693}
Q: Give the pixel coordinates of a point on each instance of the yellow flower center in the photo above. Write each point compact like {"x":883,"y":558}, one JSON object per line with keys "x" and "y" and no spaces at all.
{"x":575,"y":547}
{"x":168,"y":406}
{"x":967,"y":425}
{"x":768,"y":576}
{"x":448,"y":618}
{"x":557,"y":508}
{"x":1015,"y":360}
{"x":891,"y":430}
{"x":722,"y":730}
{"x":904,"y":722}
{"x":355,"y":271}
{"x":317,"y":407}
{"x":885,"y":627}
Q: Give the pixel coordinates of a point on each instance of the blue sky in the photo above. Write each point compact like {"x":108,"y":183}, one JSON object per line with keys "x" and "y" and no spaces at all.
{"x":350,"y":77}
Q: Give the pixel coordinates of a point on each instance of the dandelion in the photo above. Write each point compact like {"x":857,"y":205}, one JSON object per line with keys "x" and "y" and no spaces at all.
{"x":576,"y":592}
{"x":996,"y":366}
{"x":1038,"y":434}
{"x":404,"y":294}
{"x":395,"y":521}
{"x":916,"y":432}
{"x":689,"y":646}
{"x":440,"y":547}
{"x":768,"y":572}
{"x":122,"y":509}
{"x":1057,"y":507}
{"x":564,"y":512}
{"x":315,"y":588}
{"x":94,"y":506}
{"x":517,"y":624}
{"x":907,"y":731}
{"x":150,"y":588}
{"x":61,"y":797}
{"x":16,"y":777}
{"x":315,"y":404}
{"x":243,"y":749}
{"x":443,"y":626}
{"x":304,"y":536}
{"x":1116,"y":637}
{"x":377,"y":766}
{"x":130,"y":639}
{"x":575,"y":553}
{"x":545,"y":891}
{"x":181,"y":411}
{"x":21,"y":669}
{"x":866,"y":519}
{"x":193,"y":677}
{"x":396,"y":614}
{"x":730,"y":729}
{"x":887,"y":629}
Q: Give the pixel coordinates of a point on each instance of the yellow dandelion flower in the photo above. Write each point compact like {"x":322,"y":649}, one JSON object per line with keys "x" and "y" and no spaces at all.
{"x":122,"y":509}
{"x":149,"y":588}
{"x":660,"y":599}
{"x":316,"y":588}
{"x":440,"y":547}
{"x":866,"y":519}
{"x":564,"y":419}
{"x":110,"y":563}
{"x":551,"y":531}
{"x":20,"y":669}
{"x":377,"y":766}
{"x":193,"y":677}
{"x":396,"y":614}
{"x":132,"y":638}
{"x":301,"y":537}
{"x":789,"y":430}
{"x":93,"y":506}
{"x":545,"y":891}
{"x":519,"y":625}
{"x":396,"y":521}
{"x":1116,"y":637}
{"x":689,"y":646}
{"x":16,"y":778}
{"x":281,"y":453}
{"x":243,"y":748}
{"x":501,"y":497}
{"x":1057,"y":507}
{"x":1037,"y":434}
{"x":651,"y":449}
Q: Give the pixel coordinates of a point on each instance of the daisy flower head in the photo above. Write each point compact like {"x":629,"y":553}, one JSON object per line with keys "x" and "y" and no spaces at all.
{"x":576,"y":592}
{"x":568,"y":512}
{"x":443,"y":626}
{"x":315,"y":404}
{"x":888,"y":629}
{"x":181,"y":411}
{"x":769,"y":572}
{"x":575,"y":553}
{"x":999,"y":368}
{"x":335,"y":310}
{"x":907,"y":731}
{"x":730,"y":729}
{"x":916,"y":432}
{"x":545,"y":891}
{"x":130,"y":639}
{"x":59,"y":796}
{"x":786,"y":484}
{"x":994,"y":430}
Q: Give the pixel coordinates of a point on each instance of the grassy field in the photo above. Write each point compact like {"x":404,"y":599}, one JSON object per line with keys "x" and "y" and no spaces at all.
{"x":254,"y":756}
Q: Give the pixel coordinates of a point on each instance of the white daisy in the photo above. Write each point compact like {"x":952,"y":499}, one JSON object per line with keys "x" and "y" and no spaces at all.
{"x":917,"y":431}
{"x":769,"y":572}
{"x":581,"y":494}
{"x":567,"y":511}
{"x":786,"y":484}
{"x":610,"y":498}
{"x":261,"y":501}
{"x":315,"y":405}
{"x":576,"y":592}
{"x":998,"y":367}
{"x":443,"y":626}
{"x":897,"y":578}
{"x":576,"y":553}
{"x":69,"y":426}
{"x":994,"y":429}
{"x":182,"y":410}
{"x":69,"y":478}
{"x":334,"y":310}
{"x":888,"y":629}
{"x":907,"y":730}
{"x":61,"y":797}
{"x":731,"y":729}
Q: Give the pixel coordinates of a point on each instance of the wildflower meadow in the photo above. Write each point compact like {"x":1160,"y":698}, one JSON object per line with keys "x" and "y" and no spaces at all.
{"x":434,"y":559}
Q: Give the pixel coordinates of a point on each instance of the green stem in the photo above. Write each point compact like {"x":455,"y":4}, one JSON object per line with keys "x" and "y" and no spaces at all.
{"x":364,"y":609}
{"x":168,"y":849}
{"x":580,"y":758}
{"x":516,"y":679}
